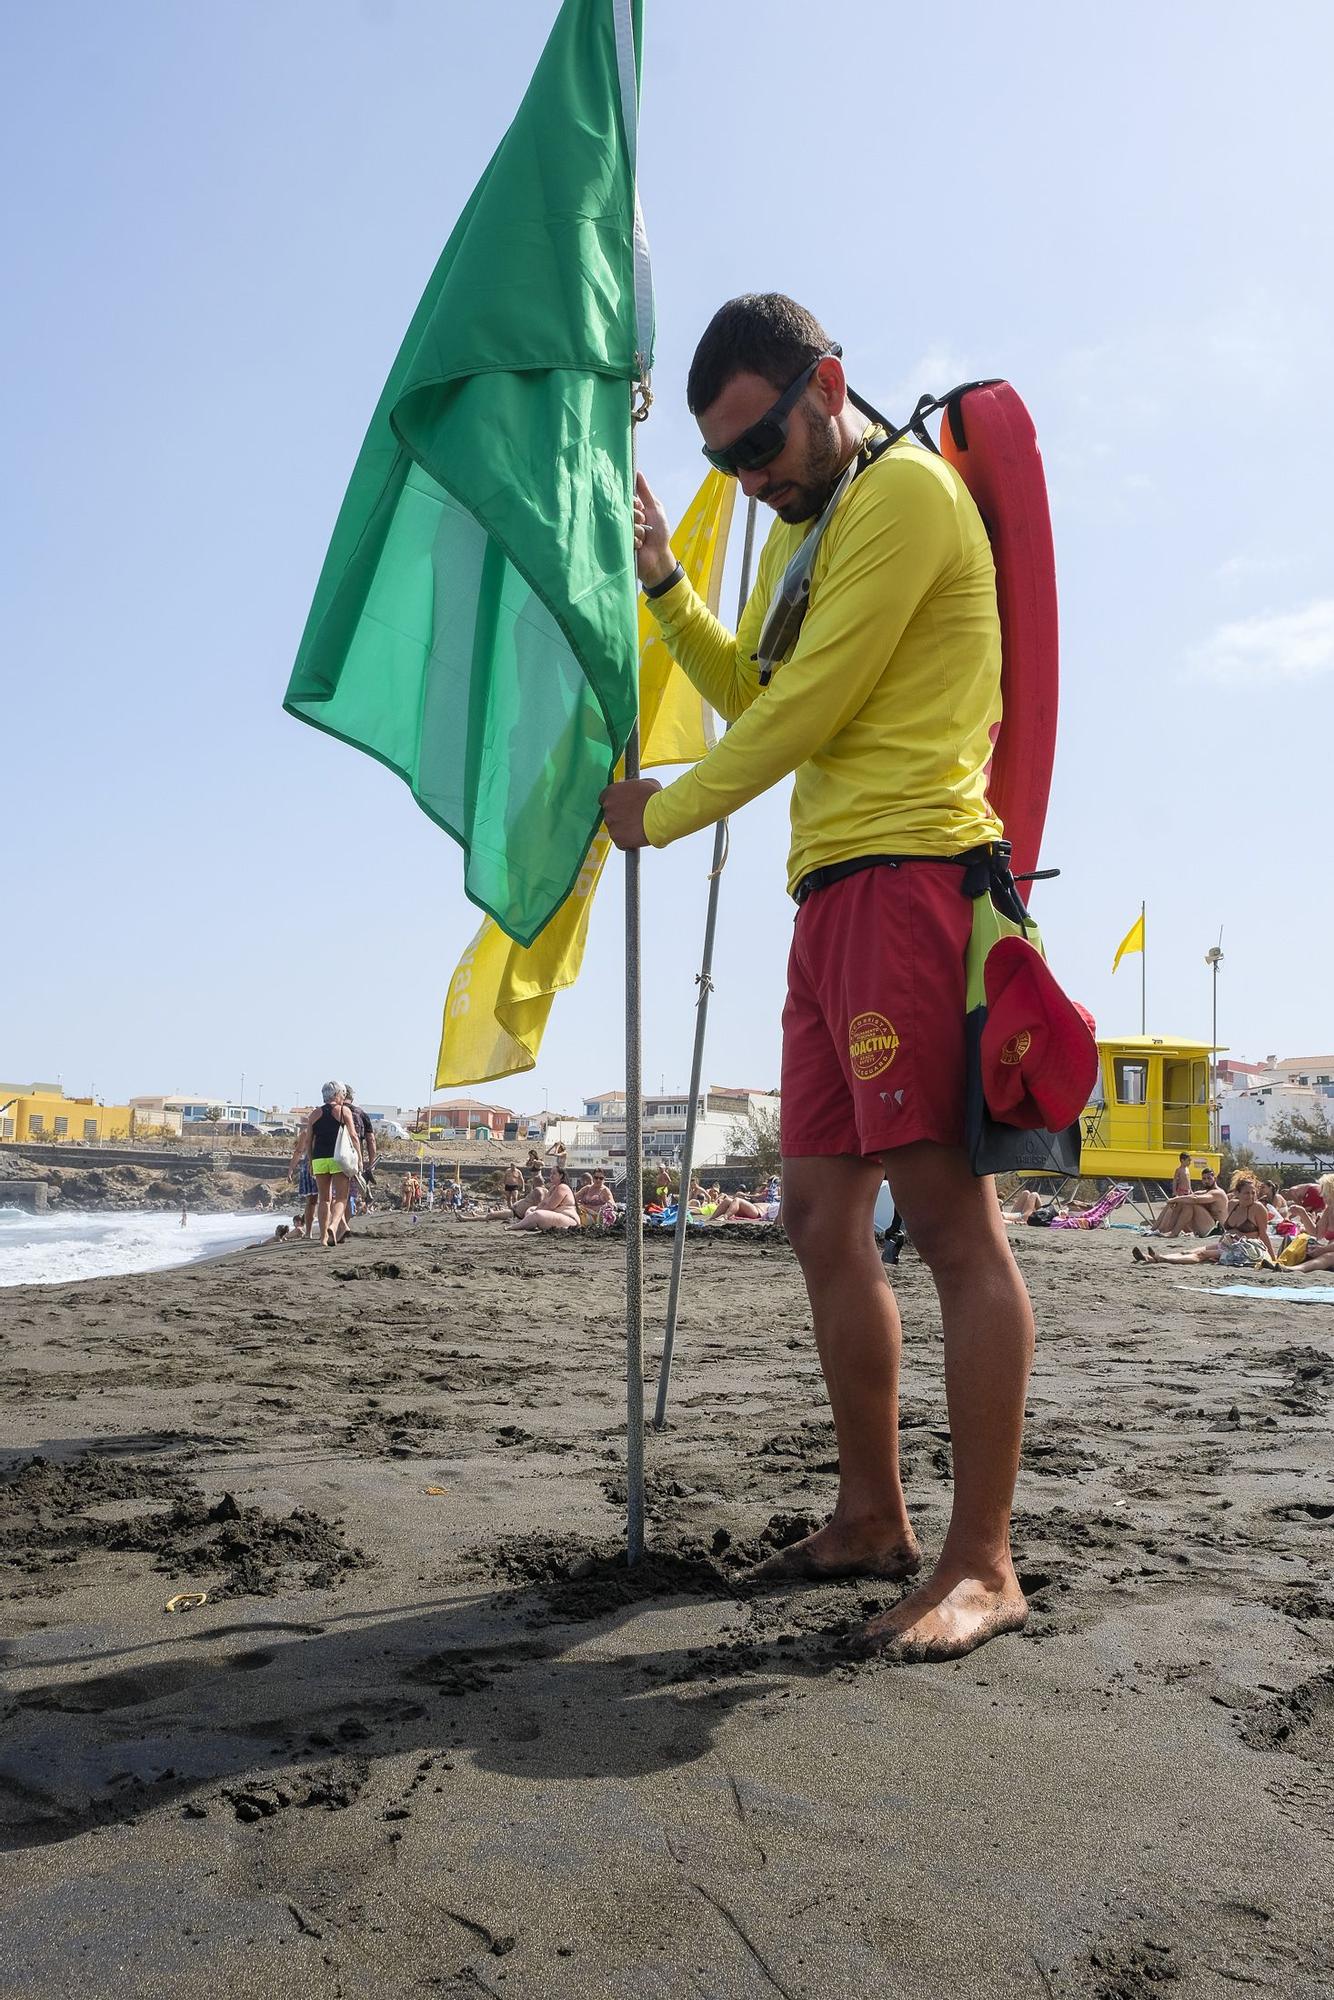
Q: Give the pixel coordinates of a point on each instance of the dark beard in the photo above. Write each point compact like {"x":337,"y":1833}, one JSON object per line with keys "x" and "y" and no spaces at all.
{"x":819,"y":474}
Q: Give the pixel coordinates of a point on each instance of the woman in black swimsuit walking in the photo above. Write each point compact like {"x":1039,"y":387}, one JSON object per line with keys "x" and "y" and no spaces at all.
{"x":321,"y":1138}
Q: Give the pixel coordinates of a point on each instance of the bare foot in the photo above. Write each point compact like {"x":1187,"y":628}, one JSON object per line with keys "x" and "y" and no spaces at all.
{"x":946,"y":1618}
{"x":833,"y":1551}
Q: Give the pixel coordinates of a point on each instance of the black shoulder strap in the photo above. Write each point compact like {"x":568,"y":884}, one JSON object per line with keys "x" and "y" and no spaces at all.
{"x":951,"y":402}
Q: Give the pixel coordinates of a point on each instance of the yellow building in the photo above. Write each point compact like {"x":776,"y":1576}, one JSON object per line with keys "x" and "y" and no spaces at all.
{"x":1151,"y":1104}
{"x":40,"y":1112}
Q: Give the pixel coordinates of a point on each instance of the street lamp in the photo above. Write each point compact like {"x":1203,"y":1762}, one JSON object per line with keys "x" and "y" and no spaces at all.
{"x":1214,"y":958}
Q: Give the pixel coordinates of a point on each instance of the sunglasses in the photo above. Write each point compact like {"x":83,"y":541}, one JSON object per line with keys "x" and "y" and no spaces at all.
{"x":760,"y":444}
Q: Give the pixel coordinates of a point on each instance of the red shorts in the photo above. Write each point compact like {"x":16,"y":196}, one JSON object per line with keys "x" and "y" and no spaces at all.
{"x":873,"y":1029}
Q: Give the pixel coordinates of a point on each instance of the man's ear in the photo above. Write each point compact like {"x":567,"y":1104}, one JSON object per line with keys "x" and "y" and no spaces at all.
{"x":831,"y":384}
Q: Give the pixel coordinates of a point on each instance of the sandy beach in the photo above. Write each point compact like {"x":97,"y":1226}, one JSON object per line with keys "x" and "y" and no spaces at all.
{"x":428,"y":1735}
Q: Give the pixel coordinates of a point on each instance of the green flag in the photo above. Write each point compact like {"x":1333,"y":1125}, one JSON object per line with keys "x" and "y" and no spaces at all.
{"x":474,"y":626}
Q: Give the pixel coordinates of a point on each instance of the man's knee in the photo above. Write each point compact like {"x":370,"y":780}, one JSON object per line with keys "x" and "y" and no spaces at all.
{"x":823,"y":1230}
{"x":956,"y":1236}
{"x":802,"y":1214}
{"x":937,"y":1243}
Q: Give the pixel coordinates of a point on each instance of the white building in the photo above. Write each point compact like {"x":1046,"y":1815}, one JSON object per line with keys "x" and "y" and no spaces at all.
{"x":177,"y":1114}
{"x":1312,"y":1072}
{"x":598,"y":1138}
{"x":1244,"y":1116}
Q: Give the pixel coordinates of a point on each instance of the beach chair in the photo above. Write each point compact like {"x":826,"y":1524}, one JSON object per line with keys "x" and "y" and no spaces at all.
{"x":1094,"y":1217}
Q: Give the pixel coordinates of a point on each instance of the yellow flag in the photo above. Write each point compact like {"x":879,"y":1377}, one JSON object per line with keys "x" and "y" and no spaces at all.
{"x":1132,"y":941}
{"x":499,"y":999}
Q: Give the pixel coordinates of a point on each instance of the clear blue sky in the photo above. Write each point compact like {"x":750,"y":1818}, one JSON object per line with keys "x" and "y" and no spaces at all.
{"x":220,"y":219}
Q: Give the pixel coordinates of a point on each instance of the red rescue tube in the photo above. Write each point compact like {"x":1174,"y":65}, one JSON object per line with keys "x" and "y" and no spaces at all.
{"x":988,"y":436}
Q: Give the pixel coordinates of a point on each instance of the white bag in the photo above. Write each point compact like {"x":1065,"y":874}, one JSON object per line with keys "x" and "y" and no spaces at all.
{"x":347,"y":1155}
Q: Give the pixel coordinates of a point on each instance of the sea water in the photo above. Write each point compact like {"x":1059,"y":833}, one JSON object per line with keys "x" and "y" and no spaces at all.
{"x":53,"y":1249}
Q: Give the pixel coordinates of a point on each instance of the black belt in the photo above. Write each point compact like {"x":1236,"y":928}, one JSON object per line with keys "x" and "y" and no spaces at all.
{"x":986,"y":868}
{"x":822,"y":878}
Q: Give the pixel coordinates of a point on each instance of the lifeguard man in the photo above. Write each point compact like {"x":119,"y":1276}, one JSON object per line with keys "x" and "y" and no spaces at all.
{"x":887,"y":711}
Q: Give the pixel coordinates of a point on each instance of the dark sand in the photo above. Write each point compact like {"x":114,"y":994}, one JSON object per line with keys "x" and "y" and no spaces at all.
{"x":443,"y":1743}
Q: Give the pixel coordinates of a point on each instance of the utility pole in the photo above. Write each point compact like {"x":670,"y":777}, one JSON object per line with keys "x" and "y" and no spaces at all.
{"x":1213,"y":958}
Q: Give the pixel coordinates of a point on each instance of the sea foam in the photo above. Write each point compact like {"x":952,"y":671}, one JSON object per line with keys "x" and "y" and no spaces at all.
{"x":56,"y":1249}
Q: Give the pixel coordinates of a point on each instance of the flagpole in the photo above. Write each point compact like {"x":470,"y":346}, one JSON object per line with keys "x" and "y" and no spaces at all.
{"x":1143,"y":971}
{"x":641,"y":399}
{"x":634,"y":1200}
{"x":705,"y":984}
{"x":634,"y":1124}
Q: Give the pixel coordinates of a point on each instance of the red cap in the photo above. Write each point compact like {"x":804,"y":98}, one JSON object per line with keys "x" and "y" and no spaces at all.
{"x":1039,"y":1052}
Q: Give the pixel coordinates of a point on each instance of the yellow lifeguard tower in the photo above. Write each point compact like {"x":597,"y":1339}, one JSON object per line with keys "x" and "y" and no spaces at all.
{"x":1151,"y":1104}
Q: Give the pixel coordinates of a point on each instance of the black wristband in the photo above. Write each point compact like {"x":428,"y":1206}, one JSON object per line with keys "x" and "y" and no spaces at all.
{"x":669,"y":582}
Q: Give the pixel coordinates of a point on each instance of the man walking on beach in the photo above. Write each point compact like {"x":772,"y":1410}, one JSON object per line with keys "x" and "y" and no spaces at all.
{"x":366,"y":1140}
{"x":887,"y":710}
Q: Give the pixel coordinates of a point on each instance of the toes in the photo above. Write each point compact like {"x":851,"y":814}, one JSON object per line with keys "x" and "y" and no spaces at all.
{"x":916,"y":1642}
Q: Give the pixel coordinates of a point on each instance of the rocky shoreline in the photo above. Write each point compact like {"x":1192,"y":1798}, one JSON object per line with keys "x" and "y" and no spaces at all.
{"x":206,"y":1190}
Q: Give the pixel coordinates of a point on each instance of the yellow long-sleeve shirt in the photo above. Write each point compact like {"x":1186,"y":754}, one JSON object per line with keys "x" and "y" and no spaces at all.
{"x":888,"y":708}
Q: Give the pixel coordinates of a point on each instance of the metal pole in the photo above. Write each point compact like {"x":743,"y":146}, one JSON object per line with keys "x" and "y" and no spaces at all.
{"x":1143,"y":971}
{"x":697,"y":1061}
{"x":1213,"y":1069}
{"x":634,"y":1201}
{"x":1213,"y":958}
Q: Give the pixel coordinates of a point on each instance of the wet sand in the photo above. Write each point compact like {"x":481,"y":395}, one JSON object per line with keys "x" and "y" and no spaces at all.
{"x":442,"y":1742}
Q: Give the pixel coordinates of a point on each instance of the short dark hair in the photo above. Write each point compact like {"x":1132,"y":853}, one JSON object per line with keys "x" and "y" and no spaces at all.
{"x":762,"y":333}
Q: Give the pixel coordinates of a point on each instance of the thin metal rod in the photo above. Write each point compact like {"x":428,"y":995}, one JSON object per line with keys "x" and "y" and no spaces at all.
{"x":634,"y":1200}
{"x":1143,"y":971}
{"x":1213,"y":958}
{"x":697,"y":1060}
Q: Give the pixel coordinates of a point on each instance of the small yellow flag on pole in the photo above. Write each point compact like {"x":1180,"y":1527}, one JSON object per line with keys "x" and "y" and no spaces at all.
{"x":501,"y":993}
{"x":1132,"y":941}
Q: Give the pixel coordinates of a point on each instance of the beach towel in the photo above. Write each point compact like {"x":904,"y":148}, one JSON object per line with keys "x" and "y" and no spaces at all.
{"x":1094,"y":1217}
{"x":1322,"y":1295}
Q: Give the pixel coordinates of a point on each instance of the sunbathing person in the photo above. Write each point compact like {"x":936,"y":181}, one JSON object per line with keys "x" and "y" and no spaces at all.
{"x":1305,"y":1203}
{"x":1246,"y":1220}
{"x":1273,"y":1200}
{"x":1197,"y":1212}
{"x":1311,"y":1207}
{"x":735,"y":1208}
{"x":1020,"y":1205}
{"x":1049,"y":1212}
{"x":1324,"y":1222}
{"x":1319,"y":1256}
{"x":744,"y":1207}
{"x":1093,"y":1214}
{"x":553,"y":1209}
{"x":595,"y":1201}
{"x":513,"y":1212}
